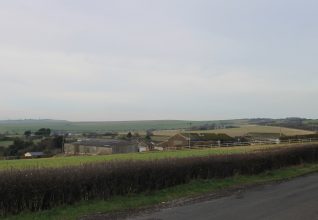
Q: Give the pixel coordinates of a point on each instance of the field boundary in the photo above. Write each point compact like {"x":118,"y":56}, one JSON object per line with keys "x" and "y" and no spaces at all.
{"x":46,"y":188}
{"x":124,"y":206}
{"x":250,"y":143}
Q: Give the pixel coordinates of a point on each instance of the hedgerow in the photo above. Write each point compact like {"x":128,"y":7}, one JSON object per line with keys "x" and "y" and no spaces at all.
{"x":44,"y":188}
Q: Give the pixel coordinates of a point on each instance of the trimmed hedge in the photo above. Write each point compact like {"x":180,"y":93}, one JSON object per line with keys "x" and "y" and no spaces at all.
{"x":40,"y":189}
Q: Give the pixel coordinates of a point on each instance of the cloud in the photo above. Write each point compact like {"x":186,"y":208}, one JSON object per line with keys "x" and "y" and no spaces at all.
{"x":107,"y":60}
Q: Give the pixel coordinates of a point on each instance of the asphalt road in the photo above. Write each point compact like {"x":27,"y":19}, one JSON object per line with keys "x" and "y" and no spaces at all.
{"x":295,"y":199}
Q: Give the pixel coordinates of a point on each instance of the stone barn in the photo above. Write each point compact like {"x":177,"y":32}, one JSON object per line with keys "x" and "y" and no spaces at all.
{"x":175,"y":142}
{"x":182,"y":140}
{"x":104,"y":146}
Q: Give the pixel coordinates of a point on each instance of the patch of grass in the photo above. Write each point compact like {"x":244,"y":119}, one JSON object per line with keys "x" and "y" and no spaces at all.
{"x":194,"y":188}
{"x":77,"y":160}
{"x":5,"y":143}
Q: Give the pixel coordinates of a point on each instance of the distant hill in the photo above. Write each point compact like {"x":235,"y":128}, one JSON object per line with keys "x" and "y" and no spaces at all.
{"x":294,"y":122}
{"x":30,"y":121}
{"x":19,"y":126}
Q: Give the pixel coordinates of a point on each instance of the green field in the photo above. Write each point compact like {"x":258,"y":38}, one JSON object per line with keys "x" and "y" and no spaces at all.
{"x":163,"y":127}
{"x":5,"y":143}
{"x":22,"y":125}
{"x":78,"y":160}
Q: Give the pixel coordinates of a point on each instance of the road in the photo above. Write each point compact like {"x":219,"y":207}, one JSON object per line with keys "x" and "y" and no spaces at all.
{"x":291,"y":200}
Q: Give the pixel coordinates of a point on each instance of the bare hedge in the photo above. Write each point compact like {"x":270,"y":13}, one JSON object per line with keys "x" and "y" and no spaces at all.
{"x":40,"y":189}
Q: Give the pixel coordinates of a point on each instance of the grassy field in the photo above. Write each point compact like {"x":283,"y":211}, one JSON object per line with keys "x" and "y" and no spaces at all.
{"x":78,"y":160}
{"x":23,"y":125}
{"x":144,"y":200}
{"x":243,"y":130}
{"x":5,"y":143}
{"x":164,"y":128}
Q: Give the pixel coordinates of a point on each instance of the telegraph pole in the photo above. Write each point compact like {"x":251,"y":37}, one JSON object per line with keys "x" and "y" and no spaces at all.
{"x":189,"y":135}
{"x":63,"y":142}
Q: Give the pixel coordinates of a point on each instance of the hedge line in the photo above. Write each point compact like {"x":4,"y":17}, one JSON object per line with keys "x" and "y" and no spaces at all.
{"x":40,"y":189}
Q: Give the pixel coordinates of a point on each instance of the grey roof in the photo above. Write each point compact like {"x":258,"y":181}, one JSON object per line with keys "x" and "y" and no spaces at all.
{"x":106,"y":142}
{"x":36,"y":153}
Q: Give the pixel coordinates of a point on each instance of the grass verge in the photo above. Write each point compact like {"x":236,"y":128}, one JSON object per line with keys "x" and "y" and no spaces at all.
{"x":194,"y":188}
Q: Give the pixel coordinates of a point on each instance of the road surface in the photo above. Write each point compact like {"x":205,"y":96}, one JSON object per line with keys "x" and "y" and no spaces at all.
{"x":295,"y":199}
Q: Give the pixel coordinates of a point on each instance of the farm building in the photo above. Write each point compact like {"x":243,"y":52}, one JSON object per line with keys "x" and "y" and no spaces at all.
{"x":34,"y":154}
{"x":78,"y":149}
{"x":195,"y":139}
{"x":104,"y":146}
{"x":255,"y":137}
{"x":176,"y":141}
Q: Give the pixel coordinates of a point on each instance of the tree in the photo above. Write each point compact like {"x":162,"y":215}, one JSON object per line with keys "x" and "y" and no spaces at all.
{"x":149,"y":133}
{"x":2,"y":150}
{"x":57,"y":142}
{"x":45,"y":132}
{"x":27,"y":133}
{"x":148,"y":137}
{"x":19,"y":147}
{"x":129,"y":135}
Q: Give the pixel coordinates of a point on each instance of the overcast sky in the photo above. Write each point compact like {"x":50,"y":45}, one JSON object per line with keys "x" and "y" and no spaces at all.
{"x":163,"y":59}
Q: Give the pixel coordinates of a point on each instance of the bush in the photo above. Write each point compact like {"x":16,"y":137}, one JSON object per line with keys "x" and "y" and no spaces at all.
{"x":40,"y":189}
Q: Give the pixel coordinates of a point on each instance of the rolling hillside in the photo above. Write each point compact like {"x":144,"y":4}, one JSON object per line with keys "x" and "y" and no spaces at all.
{"x":19,"y":126}
{"x":243,"y":130}
{"x":163,"y":127}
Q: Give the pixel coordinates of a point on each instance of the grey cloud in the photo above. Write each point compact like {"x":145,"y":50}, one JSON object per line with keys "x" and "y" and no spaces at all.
{"x":158,"y":59}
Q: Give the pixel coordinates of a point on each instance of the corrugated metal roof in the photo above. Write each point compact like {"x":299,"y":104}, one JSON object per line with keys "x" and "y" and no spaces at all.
{"x":35,"y":153}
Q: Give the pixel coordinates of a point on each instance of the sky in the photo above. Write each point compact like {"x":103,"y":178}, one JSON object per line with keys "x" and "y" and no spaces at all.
{"x":114,"y":60}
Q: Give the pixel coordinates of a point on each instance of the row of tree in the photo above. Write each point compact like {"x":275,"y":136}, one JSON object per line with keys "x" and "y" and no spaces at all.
{"x":50,"y":145}
{"x":136,"y":135}
{"x":38,"y":141}
{"x":43,"y":132}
